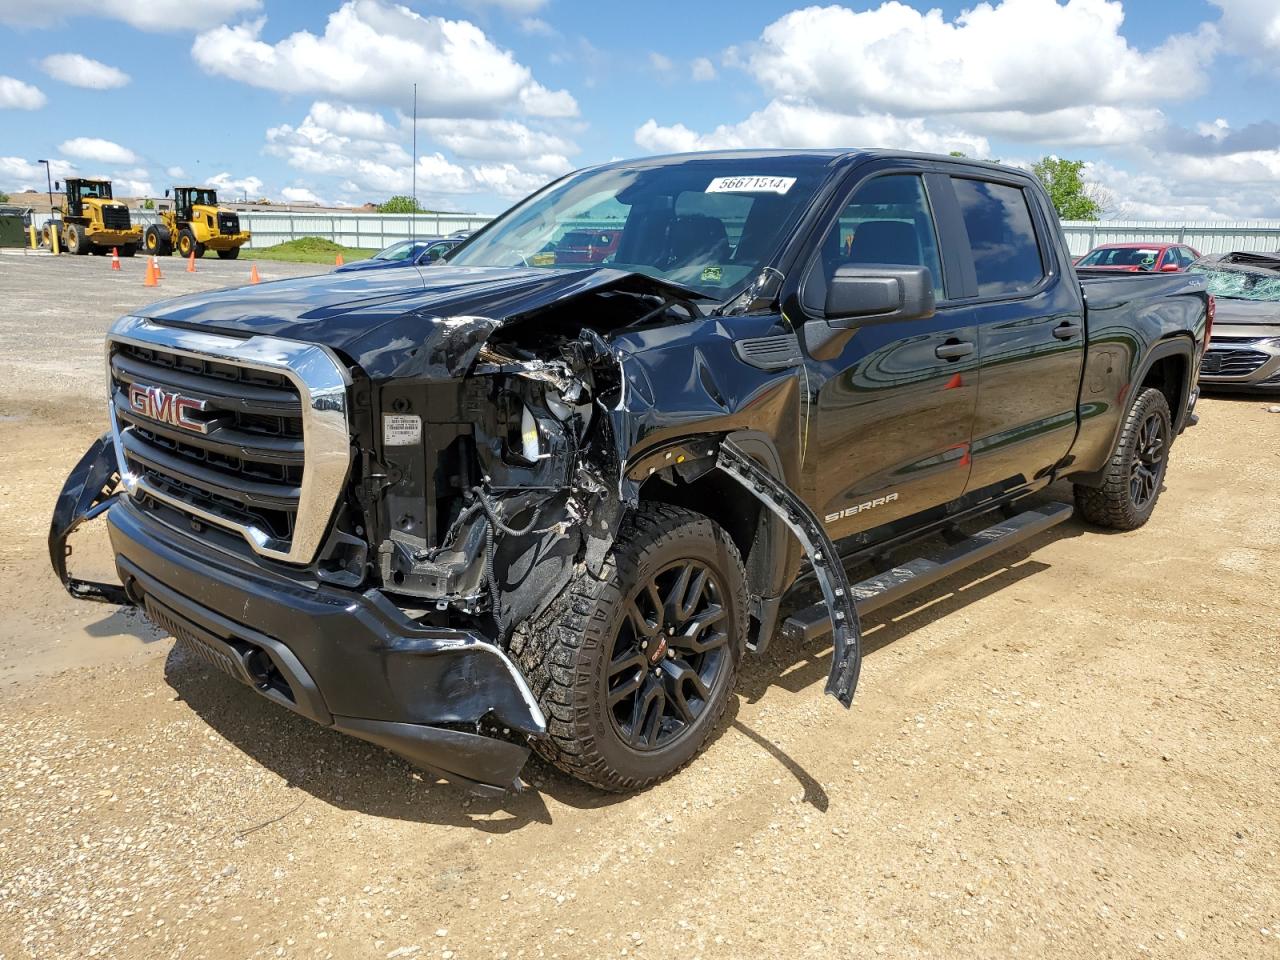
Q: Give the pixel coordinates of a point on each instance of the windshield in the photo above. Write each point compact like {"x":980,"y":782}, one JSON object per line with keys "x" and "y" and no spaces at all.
{"x":1238,"y":284}
{"x":1142,"y":257}
{"x":398,"y":251}
{"x":208,"y":198}
{"x":708,"y":223}
{"x":96,"y":188}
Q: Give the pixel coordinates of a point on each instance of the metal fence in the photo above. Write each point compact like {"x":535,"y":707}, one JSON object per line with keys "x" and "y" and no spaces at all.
{"x":378,"y":230}
{"x":1206,"y":236}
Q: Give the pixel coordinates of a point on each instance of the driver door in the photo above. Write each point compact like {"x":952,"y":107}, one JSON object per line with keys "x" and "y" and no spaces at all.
{"x":893,"y":403}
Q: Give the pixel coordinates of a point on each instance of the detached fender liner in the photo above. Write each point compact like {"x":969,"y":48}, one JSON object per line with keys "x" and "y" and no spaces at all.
{"x":347,"y":660}
{"x":90,"y":489}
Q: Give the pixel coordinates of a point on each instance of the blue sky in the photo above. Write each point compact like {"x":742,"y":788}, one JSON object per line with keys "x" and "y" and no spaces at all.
{"x":1171,"y":103}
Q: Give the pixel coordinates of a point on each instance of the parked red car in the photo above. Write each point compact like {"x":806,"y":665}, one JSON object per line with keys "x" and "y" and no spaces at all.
{"x":587,"y":246}
{"x":1140,"y":257}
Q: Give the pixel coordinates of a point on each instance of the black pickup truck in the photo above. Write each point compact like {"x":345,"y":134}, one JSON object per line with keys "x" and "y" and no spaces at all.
{"x":496,"y":503}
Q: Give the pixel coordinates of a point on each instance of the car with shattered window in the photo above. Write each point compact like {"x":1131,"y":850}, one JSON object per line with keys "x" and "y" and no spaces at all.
{"x":502,"y":504}
{"x":1244,"y":347}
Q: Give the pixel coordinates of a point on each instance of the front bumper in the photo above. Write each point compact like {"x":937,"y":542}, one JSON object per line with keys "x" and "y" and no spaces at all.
{"x":116,"y":238}
{"x":347,"y":660}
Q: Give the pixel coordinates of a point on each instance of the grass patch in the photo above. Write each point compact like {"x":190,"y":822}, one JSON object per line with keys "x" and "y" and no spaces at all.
{"x":306,"y":250}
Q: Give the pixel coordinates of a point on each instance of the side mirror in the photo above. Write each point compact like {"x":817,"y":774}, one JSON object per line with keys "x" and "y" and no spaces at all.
{"x":1170,"y":268}
{"x":57,"y":184}
{"x":859,"y":295}
{"x":166,"y":193}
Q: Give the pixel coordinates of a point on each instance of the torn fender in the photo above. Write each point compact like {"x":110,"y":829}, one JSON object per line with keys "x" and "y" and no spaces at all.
{"x":846,"y":663}
{"x":89,"y":491}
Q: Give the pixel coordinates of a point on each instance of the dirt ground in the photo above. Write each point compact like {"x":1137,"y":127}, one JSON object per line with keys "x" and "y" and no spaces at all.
{"x":1071,"y":751}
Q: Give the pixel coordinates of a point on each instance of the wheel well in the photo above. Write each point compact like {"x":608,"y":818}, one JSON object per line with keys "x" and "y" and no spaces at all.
{"x":719,"y":497}
{"x":1169,"y":375}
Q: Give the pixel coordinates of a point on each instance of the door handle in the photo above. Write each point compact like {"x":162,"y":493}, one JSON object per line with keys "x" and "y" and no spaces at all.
{"x":1065,"y":331}
{"x":953,"y":350}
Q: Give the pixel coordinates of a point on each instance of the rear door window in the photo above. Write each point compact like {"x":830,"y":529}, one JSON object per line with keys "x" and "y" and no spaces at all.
{"x":1002,"y":236}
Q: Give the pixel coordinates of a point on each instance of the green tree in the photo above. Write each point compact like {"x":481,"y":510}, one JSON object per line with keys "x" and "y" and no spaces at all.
{"x":4,"y":198}
{"x":1072,"y":196}
{"x":400,"y":204}
{"x":149,"y":205}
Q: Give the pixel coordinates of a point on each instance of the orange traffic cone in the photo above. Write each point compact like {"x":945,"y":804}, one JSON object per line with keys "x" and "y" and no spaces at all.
{"x":115,"y":259}
{"x":155,"y":265}
{"x":337,"y":261}
{"x":151,"y":280}
{"x":253,"y":274}
{"x":191,"y":262}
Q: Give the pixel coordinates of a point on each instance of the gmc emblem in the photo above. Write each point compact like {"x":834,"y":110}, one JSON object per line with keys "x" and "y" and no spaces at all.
{"x":163,"y":406}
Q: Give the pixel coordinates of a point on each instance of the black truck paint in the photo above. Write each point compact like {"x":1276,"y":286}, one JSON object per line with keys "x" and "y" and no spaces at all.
{"x":782,"y":423}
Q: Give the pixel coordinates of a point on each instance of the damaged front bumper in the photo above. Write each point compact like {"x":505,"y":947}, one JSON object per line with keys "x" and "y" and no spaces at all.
{"x":445,"y":699}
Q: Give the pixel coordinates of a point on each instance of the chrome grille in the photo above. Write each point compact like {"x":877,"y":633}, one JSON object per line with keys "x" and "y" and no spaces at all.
{"x":1232,"y":363}
{"x":248,"y":435}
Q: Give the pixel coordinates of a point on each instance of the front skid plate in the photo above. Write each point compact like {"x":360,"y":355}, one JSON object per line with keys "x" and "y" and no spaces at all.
{"x":846,"y":662}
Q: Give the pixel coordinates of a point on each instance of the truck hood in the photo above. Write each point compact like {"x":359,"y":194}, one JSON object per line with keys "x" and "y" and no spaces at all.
{"x":381,"y":319}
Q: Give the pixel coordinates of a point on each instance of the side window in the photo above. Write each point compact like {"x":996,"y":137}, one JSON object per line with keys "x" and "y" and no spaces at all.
{"x":1002,"y":237}
{"x":887,"y":221}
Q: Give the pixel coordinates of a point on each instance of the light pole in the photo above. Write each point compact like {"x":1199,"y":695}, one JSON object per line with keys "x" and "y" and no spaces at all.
{"x":48,"y":174}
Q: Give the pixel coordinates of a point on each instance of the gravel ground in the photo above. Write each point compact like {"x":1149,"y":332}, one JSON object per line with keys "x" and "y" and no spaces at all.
{"x":1070,"y":751}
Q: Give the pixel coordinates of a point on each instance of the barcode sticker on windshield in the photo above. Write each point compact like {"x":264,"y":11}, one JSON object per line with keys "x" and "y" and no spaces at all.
{"x":401,"y":431}
{"x":751,"y":185}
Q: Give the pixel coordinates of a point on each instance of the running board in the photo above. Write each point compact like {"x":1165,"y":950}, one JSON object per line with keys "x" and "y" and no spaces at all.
{"x":814,"y":623}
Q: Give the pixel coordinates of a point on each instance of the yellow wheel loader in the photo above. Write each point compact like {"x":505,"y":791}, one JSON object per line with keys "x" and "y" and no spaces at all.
{"x":92,"y":222}
{"x":194,"y":225}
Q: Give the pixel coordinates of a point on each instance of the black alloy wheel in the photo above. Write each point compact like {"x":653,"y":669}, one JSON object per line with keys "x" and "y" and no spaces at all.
{"x":1148,"y":460}
{"x":667,"y":656}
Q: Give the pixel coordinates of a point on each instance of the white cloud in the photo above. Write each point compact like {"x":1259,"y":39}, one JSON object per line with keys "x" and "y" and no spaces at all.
{"x":1152,"y":193}
{"x":537,"y":27}
{"x":512,"y":7}
{"x":80,"y":71}
{"x":97,"y":150}
{"x":176,"y":173}
{"x":373,"y":51}
{"x":17,"y":173}
{"x":799,"y":124}
{"x":128,"y":186}
{"x":1252,"y":27}
{"x":299,"y":195}
{"x":1033,"y":56}
{"x":661,"y":62}
{"x":1093,"y":126}
{"x":154,"y":15}
{"x":235,"y":187}
{"x":702,"y":70}
{"x":16,"y":95}
{"x":351,"y":122}
{"x":507,"y":180}
{"x":502,"y":140}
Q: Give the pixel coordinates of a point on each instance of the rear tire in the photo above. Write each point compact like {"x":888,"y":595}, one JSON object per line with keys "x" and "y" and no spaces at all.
{"x":634,"y":668}
{"x":128,"y":250}
{"x":156,"y":241}
{"x":1135,"y":473}
{"x":231,"y":254}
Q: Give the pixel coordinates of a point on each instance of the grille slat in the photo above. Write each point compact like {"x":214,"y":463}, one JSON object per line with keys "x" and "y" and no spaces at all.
{"x":1232,"y":363}
{"x":115,"y":217}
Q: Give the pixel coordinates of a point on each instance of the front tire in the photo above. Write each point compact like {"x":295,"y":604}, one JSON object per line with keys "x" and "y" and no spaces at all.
{"x":1135,"y":473}
{"x":77,"y":242}
{"x":231,"y":254}
{"x":634,"y":668}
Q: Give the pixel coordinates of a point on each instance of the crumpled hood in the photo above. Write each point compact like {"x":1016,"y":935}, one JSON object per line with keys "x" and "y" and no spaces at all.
{"x":379,"y":318}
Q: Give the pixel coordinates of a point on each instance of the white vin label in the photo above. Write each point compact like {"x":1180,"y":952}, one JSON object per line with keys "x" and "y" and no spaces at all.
{"x":751,"y":185}
{"x":401,"y":430}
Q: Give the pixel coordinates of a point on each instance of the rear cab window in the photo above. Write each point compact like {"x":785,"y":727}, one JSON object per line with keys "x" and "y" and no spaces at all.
{"x":1002,"y":236}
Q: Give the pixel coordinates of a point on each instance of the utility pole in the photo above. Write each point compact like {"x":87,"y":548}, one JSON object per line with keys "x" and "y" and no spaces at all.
{"x":49,"y":178}
{"x":413,"y":228}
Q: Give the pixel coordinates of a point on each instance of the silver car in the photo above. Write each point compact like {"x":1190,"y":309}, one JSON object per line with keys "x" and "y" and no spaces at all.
{"x":1244,"y":349}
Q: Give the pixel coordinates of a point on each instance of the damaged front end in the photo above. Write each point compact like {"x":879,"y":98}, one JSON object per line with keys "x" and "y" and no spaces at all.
{"x":491,"y":457}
